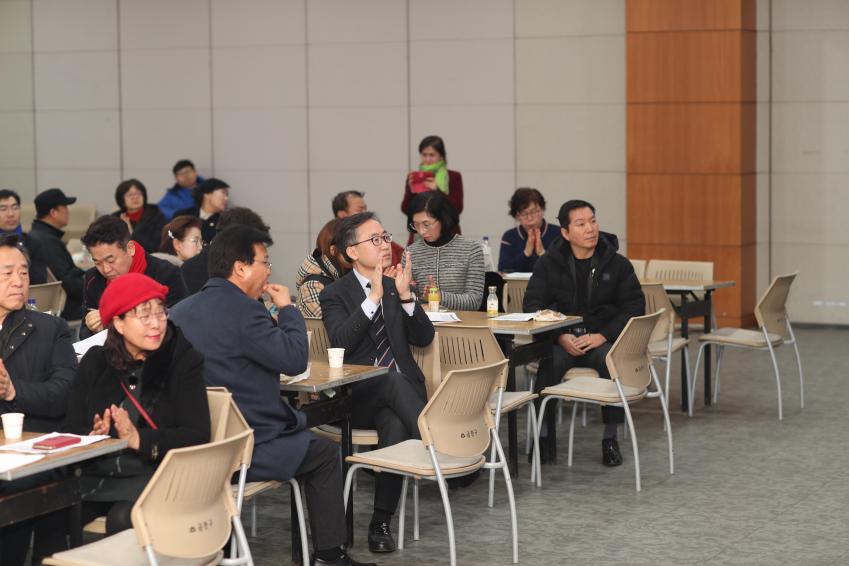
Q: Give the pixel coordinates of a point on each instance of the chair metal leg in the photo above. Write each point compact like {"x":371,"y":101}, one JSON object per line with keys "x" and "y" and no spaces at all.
{"x":540,"y":418}
{"x":446,"y":505}
{"x":696,"y":371}
{"x":559,"y":412}
{"x":415,"y":509}
{"x":667,"y":425}
{"x":798,"y":366}
{"x":656,"y":380}
{"x":302,"y":524}
{"x":584,"y":415}
{"x":777,"y":375}
{"x":630,"y":423}
{"x":719,"y":351}
{"x":572,"y":432}
{"x":510,"y":497}
{"x":402,"y":512}
{"x":245,"y":550}
{"x":253,"y":517}
{"x":535,"y":464}
{"x":491,"y":497}
{"x":686,"y":381}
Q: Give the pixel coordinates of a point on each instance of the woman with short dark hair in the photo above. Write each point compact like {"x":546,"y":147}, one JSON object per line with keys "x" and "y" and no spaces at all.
{"x":441,"y":256}
{"x":144,"y":385}
{"x":523,"y":245}
{"x":144,"y":220}
{"x":318,"y":270}
{"x":434,"y":176}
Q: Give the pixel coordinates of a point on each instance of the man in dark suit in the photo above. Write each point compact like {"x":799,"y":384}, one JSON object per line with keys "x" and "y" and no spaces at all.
{"x":373,"y":314}
{"x":245,"y":351}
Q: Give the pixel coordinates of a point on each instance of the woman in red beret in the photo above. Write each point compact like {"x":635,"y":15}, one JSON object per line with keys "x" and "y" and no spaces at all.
{"x":144,"y":385}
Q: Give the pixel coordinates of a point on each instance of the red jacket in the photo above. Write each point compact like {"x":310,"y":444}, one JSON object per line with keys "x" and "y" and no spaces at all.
{"x":454,"y":196}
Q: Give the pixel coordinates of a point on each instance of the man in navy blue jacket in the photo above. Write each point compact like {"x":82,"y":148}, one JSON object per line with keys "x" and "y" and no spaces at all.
{"x":245,"y":351}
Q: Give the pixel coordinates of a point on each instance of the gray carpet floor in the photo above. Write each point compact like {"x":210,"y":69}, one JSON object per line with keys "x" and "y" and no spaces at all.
{"x":747,"y":489}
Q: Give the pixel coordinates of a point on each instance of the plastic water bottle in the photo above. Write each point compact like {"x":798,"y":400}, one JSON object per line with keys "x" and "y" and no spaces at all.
{"x":492,"y":303}
{"x":31,"y":306}
{"x":488,"y":264}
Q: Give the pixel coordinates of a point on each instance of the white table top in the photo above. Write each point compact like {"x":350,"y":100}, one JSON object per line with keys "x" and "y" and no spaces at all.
{"x":323,"y":377}
{"x":60,"y":459}
{"x":510,"y":327}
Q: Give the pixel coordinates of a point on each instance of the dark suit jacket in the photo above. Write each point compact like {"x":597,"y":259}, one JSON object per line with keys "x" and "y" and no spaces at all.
{"x":46,"y":249}
{"x":245,"y":351}
{"x":349,"y":328}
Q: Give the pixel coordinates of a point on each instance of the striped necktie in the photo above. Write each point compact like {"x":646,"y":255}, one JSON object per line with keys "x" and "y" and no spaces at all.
{"x":384,"y":357}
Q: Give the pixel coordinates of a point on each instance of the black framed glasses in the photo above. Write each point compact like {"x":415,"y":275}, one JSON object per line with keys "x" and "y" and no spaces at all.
{"x":376,"y":240}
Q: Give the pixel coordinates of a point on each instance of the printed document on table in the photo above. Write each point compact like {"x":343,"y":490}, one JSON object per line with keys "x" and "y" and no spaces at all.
{"x":516,"y":316}
{"x":290,"y":379}
{"x":518,"y":276}
{"x":442,"y":316}
{"x":82,"y":346}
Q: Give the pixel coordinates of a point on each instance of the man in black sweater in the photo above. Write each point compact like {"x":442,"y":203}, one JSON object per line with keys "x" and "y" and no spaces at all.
{"x":582,"y":274}
{"x":114,"y":254}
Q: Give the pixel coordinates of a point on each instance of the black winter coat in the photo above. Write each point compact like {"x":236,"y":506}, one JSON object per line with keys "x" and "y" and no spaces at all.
{"x":40,"y":359}
{"x":46,"y":249}
{"x":614,"y":292}
{"x":148,"y":230}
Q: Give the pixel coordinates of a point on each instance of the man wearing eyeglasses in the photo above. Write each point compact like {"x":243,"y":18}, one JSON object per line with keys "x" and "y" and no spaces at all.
{"x":373,"y":314}
{"x":114,"y":254}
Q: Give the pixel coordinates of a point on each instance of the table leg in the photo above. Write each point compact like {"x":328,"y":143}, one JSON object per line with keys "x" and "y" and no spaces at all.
{"x":685,"y":333}
{"x":296,"y":532}
{"x":708,"y":374}
{"x":506,"y":344}
{"x":347,"y":450}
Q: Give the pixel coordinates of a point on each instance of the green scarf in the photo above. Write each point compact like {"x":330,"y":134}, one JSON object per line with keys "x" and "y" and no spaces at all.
{"x":440,"y":174}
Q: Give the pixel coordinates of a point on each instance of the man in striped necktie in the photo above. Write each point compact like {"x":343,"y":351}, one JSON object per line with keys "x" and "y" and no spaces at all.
{"x":373,"y":314}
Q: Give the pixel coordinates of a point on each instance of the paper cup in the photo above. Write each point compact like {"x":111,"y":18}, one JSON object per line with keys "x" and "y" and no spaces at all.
{"x":13,"y":425}
{"x":336,"y":356}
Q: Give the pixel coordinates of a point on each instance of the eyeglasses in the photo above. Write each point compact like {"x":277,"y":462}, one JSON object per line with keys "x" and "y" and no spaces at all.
{"x":6,"y":209}
{"x":530,"y":213}
{"x":196,"y":242}
{"x":266,"y":262}
{"x":376,"y":240}
{"x":150,"y":316}
{"x":422,"y":227}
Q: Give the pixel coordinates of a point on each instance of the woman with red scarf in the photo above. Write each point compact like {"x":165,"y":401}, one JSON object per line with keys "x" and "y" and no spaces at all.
{"x":145,"y":221}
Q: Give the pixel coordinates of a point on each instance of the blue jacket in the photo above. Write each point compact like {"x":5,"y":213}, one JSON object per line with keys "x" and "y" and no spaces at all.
{"x":245,"y":351}
{"x":176,"y":198}
{"x":512,"y":255}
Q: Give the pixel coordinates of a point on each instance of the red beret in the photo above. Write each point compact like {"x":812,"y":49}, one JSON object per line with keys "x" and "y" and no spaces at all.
{"x":127,"y":292}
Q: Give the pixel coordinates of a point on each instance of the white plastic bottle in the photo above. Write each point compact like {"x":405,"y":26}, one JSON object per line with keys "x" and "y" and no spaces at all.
{"x":488,"y":264}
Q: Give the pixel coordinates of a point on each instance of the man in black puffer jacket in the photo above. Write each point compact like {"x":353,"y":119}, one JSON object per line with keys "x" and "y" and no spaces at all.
{"x":582,"y":274}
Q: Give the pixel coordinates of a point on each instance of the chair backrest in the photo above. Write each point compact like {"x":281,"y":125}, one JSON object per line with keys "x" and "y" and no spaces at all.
{"x":80,"y":217}
{"x":674,"y":270}
{"x":320,"y":340}
{"x":49,"y":296}
{"x":457,"y":420}
{"x":514,"y":295}
{"x":463,"y":347}
{"x":186,"y":509}
{"x":234,"y":426}
{"x":639,"y":268}
{"x":427,"y":359}
{"x":771,"y":310}
{"x":219,"y":408}
{"x":657,"y":299}
{"x":628,"y":358}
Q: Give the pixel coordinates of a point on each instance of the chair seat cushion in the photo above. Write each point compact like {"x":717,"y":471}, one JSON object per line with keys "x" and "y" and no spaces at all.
{"x":741,"y":337}
{"x":412,"y":457}
{"x":594,"y":389}
{"x":659,"y":348}
{"x":580,"y":372}
{"x":97,"y":527}
{"x":122,"y":548}
{"x":511,"y":400}
{"x":359,"y":436}
{"x":254,"y":488}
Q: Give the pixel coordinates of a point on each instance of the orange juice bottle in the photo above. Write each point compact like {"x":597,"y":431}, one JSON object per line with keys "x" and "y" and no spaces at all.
{"x":433,"y":298}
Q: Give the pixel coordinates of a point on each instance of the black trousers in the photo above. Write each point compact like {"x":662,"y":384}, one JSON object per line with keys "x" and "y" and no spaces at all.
{"x":320,"y":474}
{"x":389,"y":404}
{"x":563,"y":361}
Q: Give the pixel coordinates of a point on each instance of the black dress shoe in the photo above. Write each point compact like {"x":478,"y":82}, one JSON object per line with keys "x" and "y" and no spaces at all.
{"x":380,"y":538}
{"x":610,"y":455}
{"x":343,"y":560}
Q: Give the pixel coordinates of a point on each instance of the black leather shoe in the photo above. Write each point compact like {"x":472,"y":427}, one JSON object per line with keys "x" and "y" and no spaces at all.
{"x":610,"y":455}
{"x":380,"y":538}
{"x":344,"y":560}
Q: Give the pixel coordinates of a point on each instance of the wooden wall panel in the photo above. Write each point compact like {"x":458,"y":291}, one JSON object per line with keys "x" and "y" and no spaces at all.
{"x":691,"y":134}
{"x":691,"y":138}
{"x":667,"y":73}
{"x":677,"y":15}
{"x":692,"y":209}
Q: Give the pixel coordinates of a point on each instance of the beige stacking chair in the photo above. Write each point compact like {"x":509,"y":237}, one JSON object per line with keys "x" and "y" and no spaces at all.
{"x":184,"y":516}
{"x":513,"y":295}
{"x":659,"y":270}
{"x":456,"y":428}
{"x":664,"y":342}
{"x":320,"y":341}
{"x":630,"y":371}
{"x":639,"y":268}
{"x":774,"y":329}
{"x":49,"y":297}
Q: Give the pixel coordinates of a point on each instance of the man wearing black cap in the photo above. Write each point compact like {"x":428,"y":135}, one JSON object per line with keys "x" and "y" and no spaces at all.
{"x":210,"y":201}
{"x":47,"y":250}
{"x":582,"y":274}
